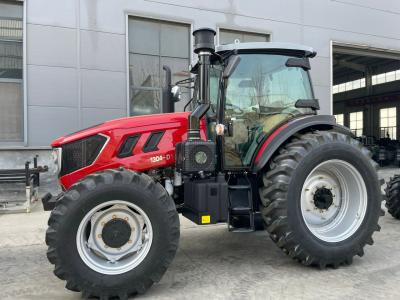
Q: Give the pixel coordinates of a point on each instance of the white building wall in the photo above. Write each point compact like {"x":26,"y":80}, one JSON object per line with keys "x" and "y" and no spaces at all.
{"x":76,"y":49}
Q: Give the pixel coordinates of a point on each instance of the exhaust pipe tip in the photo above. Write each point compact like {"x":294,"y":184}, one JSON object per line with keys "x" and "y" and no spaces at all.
{"x":204,"y":40}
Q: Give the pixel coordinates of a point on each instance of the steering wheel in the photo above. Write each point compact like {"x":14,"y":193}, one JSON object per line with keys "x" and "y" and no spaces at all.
{"x":234,"y":107}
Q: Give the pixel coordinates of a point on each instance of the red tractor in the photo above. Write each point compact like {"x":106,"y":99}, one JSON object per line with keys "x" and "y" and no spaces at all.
{"x":252,"y":146}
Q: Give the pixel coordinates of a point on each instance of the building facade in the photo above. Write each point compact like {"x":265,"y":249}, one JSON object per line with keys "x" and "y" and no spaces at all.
{"x":69,"y":64}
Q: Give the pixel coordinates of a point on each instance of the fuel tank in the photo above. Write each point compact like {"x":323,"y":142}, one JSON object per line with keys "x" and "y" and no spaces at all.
{"x":155,"y":138}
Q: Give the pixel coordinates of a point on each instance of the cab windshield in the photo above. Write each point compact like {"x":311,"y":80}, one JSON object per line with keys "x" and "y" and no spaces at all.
{"x":263,"y":83}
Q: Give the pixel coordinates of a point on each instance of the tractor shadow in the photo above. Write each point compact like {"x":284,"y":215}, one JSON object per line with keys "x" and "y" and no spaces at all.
{"x":212,"y":261}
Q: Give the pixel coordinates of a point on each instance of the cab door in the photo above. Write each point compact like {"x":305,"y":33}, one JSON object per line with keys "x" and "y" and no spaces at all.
{"x":260,"y":96}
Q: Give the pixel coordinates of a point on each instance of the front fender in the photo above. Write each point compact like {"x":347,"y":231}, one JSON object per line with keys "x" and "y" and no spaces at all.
{"x":279,"y":136}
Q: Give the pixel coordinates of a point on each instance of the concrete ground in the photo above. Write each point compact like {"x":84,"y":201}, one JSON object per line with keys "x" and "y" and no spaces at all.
{"x":211,"y":263}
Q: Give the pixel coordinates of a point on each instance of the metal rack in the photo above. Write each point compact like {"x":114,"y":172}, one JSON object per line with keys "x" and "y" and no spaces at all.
{"x":28,"y":176}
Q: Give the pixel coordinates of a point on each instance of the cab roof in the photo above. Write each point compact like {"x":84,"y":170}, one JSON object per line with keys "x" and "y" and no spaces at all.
{"x":308,"y":51}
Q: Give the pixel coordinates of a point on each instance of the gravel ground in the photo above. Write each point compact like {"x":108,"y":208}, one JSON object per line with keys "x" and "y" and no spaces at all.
{"x":210,"y":263}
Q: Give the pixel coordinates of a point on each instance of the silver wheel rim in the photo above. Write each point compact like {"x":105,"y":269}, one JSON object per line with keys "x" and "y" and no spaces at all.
{"x":102,"y":258}
{"x":349,"y":201}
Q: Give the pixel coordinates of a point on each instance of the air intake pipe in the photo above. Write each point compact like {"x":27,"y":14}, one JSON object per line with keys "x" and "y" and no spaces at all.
{"x":204,"y":47}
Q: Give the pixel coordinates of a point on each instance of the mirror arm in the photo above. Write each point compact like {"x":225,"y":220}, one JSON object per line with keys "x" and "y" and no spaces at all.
{"x":233,"y":62}
{"x":167,"y":99}
{"x":168,"y":76}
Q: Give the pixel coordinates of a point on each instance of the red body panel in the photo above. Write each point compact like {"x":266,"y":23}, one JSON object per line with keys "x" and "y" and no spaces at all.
{"x":269,"y":139}
{"x":175,"y":126}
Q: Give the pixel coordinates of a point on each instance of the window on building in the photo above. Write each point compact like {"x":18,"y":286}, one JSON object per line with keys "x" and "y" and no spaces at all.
{"x":386,"y":77}
{"x":227,"y":36}
{"x":348,"y":86}
{"x":340,"y":119}
{"x":388,"y":123}
{"x":356,"y":123}
{"x":11,"y":88}
{"x":152,"y":44}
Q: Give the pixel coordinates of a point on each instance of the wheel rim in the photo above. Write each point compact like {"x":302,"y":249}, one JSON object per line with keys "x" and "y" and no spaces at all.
{"x":114,"y":237}
{"x":334,"y":200}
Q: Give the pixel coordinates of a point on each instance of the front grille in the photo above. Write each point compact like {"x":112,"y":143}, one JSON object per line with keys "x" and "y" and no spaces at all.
{"x":81,"y":153}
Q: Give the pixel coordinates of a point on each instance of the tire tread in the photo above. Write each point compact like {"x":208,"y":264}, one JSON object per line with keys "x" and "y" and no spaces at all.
{"x":393,"y":196}
{"x":90,"y":183}
{"x":274,"y":196}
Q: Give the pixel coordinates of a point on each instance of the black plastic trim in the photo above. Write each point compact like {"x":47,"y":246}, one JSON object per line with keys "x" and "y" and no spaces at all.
{"x":307,"y":103}
{"x":294,"y":126}
{"x":127,"y":147}
{"x":152,"y":141}
{"x":302,"y":62}
{"x":285,"y":52}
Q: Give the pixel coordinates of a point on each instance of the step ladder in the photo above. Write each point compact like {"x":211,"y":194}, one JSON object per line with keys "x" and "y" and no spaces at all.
{"x":240,"y":208}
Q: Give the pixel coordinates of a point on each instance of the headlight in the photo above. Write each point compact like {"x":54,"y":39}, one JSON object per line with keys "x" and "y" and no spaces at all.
{"x":56,"y":154}
{"x":200,"y":157}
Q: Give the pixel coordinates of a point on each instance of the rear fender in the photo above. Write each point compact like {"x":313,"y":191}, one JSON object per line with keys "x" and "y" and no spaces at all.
{"x":284,"y":132}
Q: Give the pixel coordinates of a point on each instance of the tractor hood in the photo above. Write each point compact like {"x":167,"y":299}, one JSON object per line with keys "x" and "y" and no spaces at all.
{"x":138,"y":123}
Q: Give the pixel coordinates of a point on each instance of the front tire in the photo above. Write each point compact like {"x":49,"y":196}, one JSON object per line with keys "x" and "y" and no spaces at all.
{"x":321,"y":198}
{"x":113,"y":234}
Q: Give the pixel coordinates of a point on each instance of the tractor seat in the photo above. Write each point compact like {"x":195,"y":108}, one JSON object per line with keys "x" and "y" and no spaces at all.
{"x":270,"y":122}
{"x":266,"y":123}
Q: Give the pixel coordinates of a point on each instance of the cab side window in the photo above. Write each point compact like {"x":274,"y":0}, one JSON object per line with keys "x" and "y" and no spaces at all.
{"x":215,"y":75}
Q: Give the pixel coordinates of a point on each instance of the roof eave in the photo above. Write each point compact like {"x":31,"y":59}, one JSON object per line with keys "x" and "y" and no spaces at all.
{"x":308,"y":51}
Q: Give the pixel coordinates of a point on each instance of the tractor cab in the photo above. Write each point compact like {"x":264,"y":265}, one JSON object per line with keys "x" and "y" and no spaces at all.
{"x":262,"y":93}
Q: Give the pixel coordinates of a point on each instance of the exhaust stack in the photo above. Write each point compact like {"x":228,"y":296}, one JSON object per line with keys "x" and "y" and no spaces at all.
{"x":204,"y":46}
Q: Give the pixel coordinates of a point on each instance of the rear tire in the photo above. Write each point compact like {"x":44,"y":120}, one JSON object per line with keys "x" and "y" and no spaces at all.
{"x":321,"y":230}
{"x":113,"y":200}
{"x":393,"y":196}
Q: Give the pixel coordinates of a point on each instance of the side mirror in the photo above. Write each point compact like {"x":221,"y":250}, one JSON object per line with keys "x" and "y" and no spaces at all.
{"x":302,"y":62}
{"x":307,"y":103}
{"x":233,"y":62}
{"x":176,"y":93}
